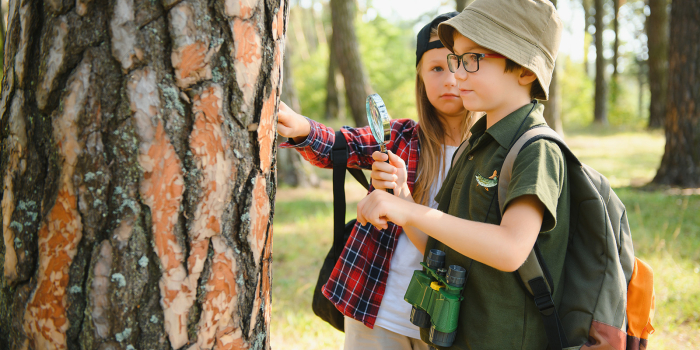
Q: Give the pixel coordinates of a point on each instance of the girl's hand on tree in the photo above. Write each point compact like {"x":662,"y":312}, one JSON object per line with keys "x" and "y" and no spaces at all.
{"x":291,"y":124}
{"x":390,"y":175}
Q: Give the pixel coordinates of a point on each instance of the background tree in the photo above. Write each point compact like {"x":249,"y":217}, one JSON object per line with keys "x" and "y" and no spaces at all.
{"x":347,"y":53}
{"x":552,"y":111}
{"x":291,"y":169}
{"x":601,"y":86}
{"x":680,"y":165}
{"x":335,"y":108}
{"x":657,"y":42}
{"x":462,"y":4}
{"x":138,"y":173}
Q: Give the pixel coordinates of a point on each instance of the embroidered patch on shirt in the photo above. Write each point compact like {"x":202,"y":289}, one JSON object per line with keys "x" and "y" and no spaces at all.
{"x":487,"y":182}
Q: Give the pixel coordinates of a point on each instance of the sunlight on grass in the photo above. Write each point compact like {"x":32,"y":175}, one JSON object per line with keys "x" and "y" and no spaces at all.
{"x":665,"y":227}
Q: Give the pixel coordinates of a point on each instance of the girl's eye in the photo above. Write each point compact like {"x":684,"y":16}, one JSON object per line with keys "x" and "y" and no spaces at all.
{"x":438,"y":69}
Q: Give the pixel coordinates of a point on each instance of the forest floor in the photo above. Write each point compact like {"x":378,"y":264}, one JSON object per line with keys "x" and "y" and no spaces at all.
{"x":665,"y":226}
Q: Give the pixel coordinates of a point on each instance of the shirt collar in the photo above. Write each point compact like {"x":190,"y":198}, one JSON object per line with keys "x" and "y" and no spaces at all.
{"x":504,"y":131}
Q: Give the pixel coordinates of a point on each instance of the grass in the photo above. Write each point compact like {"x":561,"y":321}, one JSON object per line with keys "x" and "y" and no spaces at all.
{"x":665,"y":225}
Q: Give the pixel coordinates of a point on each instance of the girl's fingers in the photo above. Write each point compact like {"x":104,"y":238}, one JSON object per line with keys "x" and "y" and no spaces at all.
{"x":380,"y":166}
{"x":379,"y":156}
{"x":395,"y":160}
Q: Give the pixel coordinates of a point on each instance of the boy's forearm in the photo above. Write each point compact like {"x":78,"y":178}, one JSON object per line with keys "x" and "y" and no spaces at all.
{"x":503,"y":247}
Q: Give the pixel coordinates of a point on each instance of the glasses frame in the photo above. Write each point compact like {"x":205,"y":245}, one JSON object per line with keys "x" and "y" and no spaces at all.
{"x":479,"y":57}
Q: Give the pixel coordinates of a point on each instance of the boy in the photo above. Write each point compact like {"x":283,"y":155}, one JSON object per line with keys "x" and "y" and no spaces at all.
{"x":504,"y":53}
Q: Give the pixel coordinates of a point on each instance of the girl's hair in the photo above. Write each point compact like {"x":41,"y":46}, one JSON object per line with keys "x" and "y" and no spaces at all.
{"x":431,"y":134}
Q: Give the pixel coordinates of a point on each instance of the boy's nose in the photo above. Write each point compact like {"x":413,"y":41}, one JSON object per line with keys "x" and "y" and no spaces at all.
{"x":461,"y":74}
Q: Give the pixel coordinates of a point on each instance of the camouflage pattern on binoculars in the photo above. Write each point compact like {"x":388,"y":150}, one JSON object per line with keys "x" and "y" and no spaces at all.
{"x":435,"y":294}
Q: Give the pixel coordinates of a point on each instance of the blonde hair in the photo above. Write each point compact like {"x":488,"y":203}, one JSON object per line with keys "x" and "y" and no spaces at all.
{"x":431,"y":134}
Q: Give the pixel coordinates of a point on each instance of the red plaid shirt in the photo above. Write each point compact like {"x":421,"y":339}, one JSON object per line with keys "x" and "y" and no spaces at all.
{"x":358,"y":281}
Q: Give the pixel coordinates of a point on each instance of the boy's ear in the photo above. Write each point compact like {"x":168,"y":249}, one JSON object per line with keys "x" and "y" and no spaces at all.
{"x":526,"y":77}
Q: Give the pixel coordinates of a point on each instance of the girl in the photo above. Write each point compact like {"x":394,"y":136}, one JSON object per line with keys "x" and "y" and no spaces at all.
{"x":373,"y":272}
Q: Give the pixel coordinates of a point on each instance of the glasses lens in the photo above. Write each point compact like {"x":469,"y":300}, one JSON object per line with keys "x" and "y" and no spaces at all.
{"x":471,"y":62}
{"x":452,"y":62}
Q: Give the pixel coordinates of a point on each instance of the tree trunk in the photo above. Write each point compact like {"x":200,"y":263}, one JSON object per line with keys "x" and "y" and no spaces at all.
{"x":657,"y":42}
{"x":680,"y":165}
{"x":333,"y":103}
{"x":587,"y":7}
{"x":601,"y":86}
{"x":347,"y":52}
{"x":138,"y":166}
{"x":552,"y":110}
{"x":460,"y":5}
{"x":616,"y":43}
{"x":291,"y":169}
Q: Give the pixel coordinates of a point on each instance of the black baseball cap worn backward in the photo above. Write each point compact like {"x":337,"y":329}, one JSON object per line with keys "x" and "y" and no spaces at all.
{"x":423,"y":39}
{"x":528,"y":32}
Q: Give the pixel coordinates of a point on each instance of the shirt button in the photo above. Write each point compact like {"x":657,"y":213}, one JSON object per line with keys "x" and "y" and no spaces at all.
{"x":470,"y":157}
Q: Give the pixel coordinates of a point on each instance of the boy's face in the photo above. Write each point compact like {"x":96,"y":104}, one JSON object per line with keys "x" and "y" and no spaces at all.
{"x":491,"y":87}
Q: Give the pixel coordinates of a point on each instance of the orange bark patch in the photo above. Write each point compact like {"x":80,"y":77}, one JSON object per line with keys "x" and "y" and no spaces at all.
{"x":220,"y":299}
{"x":278,"y":23}
{"x":259,"y":217}
{"x":45,"y":318}
{"x":208,"y":145}
{"x":191,"y":64}
{"x":247,"y":41}
{"x":266,"y":132}
{"x":162,"y":190}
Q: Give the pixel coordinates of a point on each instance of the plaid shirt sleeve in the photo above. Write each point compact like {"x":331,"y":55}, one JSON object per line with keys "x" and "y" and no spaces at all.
{"x":316,"y":149}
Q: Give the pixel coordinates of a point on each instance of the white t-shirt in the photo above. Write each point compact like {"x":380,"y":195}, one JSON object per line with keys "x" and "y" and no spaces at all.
{"x":394,"y":312}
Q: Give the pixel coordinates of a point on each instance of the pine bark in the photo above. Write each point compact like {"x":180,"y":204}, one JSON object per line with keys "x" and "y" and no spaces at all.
{"x":680,"y":165}
{"x":601,"y":85}
{"x":347,"y":50}
{"x":657,"y":42}
{"x":138,"y":167}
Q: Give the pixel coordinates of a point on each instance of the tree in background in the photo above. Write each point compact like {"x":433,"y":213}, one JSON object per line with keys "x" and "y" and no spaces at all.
{"x":347,"y":53}
{"x":601,"y":86}
{"x":462,"y":4}
{"x":291,"y":169}
{"x":138,"y":166}
{"x":552,"y":110}
{"x":657,"y":42}
{"x":335,"y":107}
{"x":680,"y":165}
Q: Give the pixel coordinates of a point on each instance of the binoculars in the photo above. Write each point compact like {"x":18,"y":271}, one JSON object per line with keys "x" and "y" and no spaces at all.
{"x":435,"y":294}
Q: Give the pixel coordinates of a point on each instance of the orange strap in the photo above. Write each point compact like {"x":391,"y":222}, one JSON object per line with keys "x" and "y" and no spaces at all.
{"x":640,"y":301}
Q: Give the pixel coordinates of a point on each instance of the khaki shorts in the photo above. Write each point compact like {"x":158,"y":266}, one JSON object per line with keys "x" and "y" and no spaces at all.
{"x":360,"y":337}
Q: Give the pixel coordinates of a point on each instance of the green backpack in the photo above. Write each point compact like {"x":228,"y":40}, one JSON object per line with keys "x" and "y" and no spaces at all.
{"x":608,"y":296}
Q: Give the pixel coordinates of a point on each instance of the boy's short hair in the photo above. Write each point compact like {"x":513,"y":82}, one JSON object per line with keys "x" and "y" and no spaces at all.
{"x":527,"y":32}
{"x":536,"y":88}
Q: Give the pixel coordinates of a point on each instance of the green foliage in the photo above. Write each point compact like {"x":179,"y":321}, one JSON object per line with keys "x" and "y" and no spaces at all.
{"x":388,"y":53}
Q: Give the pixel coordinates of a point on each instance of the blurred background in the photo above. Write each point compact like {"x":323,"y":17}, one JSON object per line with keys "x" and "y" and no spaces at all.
{"x":609,"y":100}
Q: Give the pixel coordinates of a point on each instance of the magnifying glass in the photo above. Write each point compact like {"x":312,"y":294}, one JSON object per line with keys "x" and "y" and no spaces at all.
{"x":379,"y":123}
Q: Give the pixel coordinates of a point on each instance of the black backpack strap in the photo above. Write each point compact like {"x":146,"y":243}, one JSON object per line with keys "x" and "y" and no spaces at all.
{"x":534,"y":273}
{"x":339,"y":156}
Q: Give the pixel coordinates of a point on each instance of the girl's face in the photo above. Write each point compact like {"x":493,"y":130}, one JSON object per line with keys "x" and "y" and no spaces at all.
{"x":440,"y":83}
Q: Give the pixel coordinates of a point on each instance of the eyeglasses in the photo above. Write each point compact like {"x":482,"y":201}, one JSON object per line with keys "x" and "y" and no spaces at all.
{"x":469,"y":60}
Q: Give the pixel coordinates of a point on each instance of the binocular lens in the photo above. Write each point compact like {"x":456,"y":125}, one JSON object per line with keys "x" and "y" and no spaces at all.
{"x":420,"y":317}
{"x":456,"y":275}
{"x":436,"y":259}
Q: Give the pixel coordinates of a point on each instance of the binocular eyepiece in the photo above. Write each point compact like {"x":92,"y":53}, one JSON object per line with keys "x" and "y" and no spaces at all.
{"x":435,"y":294}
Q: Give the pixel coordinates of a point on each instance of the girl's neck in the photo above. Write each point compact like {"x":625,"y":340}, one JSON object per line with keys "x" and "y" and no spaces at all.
{"x":452,"y":124}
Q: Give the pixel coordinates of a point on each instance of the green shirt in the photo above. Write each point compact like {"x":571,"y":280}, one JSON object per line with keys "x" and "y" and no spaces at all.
{"x":497,"y":312}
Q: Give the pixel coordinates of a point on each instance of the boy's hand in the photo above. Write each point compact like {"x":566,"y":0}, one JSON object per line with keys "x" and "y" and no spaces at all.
{"x":292,"y":125}
{"x":390,"y":175}
{"x":379,"y":207}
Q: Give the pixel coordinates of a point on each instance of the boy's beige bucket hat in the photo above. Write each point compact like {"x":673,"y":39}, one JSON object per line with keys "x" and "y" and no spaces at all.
{"x":526,"y":31}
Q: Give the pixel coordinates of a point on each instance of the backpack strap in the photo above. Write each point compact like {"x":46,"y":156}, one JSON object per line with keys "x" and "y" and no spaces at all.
{"x":339,"y":156}
{"x":533,"y":273}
